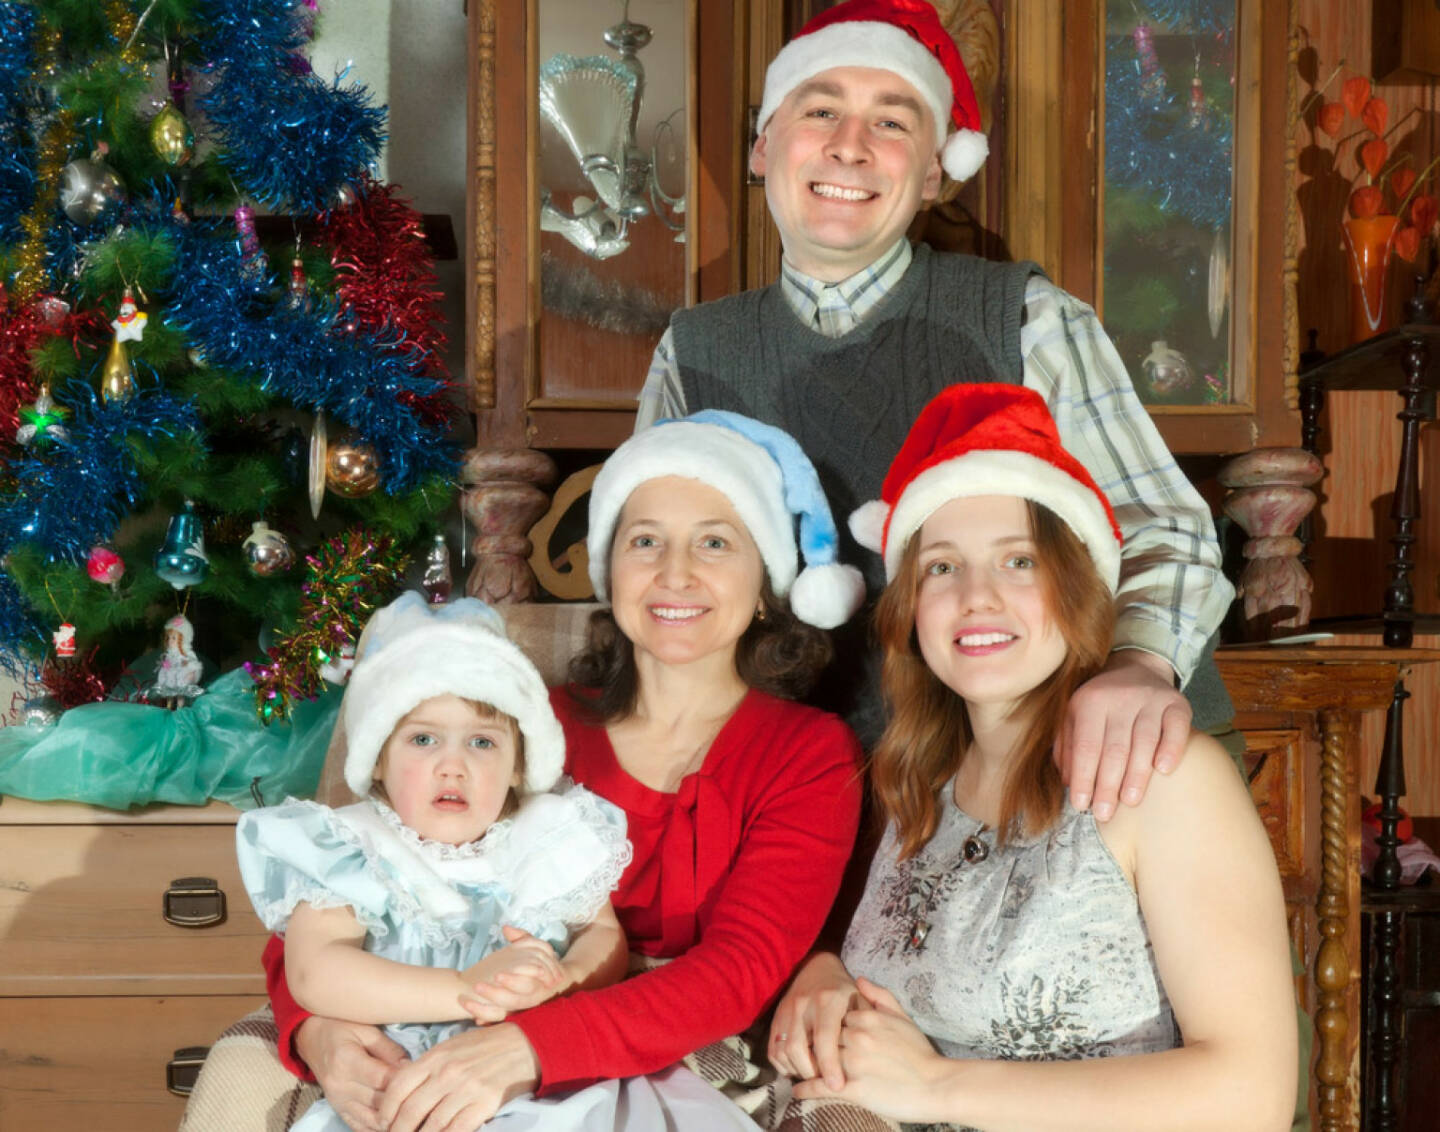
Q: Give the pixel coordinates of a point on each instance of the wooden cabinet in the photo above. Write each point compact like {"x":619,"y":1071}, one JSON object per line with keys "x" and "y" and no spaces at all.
{"x":1064,"y":204}
{"x":535,"y":382}
{"x":1300,"y":710}
{"x":108,"y":968}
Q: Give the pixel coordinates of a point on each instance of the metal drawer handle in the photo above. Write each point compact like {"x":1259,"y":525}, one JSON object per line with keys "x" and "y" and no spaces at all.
{"x":194,"y":902}
{"x":183,"y":1068}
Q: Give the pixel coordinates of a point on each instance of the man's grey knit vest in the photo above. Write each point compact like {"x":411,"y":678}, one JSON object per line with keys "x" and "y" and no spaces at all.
{"x":850,"y":401}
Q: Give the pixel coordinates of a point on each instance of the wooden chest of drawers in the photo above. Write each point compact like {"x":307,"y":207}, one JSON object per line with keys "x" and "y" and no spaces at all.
{"x":107,"y":967}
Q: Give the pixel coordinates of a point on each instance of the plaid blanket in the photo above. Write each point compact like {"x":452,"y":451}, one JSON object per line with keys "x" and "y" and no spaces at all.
{"x":243,"y":1087}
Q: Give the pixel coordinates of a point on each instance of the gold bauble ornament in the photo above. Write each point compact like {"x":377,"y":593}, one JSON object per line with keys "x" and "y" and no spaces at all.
{"x":171,"y":136}
{"x":117,"y":379}
{"x":351,"y":469}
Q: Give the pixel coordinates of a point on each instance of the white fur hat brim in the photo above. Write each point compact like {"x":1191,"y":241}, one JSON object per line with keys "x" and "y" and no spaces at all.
{"x":435,"y":657}
{"x":861,"y":43}
{"x":718,"y":457}
{"x":1002,"y":472}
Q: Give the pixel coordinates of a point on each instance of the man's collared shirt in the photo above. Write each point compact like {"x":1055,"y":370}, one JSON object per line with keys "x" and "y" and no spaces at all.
{"x":1172,"y":594}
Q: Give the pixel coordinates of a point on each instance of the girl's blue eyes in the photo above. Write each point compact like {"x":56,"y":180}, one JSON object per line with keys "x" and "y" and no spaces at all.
{"x":425,"y":739}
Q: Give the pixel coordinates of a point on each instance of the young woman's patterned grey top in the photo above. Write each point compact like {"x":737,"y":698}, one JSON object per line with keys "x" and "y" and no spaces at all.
{"x":1033,"y":951}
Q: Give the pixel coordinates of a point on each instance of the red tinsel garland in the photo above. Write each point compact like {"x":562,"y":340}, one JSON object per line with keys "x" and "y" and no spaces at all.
{"x":73,"y":682}
{"x":385,"y":280}
{"x":22,"y":327}
{"x":19,"y":330}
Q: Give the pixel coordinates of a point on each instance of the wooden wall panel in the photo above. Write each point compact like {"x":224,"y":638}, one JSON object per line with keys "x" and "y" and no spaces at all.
{"x":1361,"y":433}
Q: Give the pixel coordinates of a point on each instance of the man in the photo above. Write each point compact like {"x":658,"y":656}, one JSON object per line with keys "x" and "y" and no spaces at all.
{"x":862,"y":330}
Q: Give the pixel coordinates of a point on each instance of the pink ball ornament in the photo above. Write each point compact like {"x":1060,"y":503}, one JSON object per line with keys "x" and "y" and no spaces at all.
{"x":105,"y":566}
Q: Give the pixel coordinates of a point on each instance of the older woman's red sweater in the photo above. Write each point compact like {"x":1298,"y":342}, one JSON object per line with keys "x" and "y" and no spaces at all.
{"x":731,"y":881}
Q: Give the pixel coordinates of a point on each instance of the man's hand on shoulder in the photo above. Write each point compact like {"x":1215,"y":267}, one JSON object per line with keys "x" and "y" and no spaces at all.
{"x":1120,"y":726}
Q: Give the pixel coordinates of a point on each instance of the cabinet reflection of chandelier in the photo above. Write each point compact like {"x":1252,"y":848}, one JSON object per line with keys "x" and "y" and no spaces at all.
{"x":594,"y":104}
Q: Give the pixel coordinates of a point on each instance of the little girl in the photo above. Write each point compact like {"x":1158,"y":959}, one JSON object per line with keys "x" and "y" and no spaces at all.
{"x":457,"y":868}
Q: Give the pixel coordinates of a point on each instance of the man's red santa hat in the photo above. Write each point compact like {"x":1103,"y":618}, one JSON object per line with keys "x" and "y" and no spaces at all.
{"x":904,"y":37}
{"x":986,"y":440}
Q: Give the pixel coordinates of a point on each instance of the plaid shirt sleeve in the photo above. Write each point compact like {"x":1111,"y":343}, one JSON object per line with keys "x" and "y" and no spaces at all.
{"x":662,"y":395}
{"x":1172,"y":594}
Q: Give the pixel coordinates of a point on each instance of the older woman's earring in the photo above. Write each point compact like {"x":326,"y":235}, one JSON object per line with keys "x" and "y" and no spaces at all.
{"x":760,"y":610}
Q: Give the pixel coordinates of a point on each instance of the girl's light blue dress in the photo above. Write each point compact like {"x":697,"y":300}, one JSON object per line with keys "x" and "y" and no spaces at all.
{"x":548,"y":870}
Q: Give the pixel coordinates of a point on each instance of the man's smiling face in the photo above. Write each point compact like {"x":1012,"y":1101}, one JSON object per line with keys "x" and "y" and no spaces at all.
{"x":848,"y":158}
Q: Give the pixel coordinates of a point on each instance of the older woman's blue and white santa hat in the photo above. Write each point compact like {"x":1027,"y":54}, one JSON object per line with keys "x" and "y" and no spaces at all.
{"x":411,"y":651}
{"x":771,"y":484}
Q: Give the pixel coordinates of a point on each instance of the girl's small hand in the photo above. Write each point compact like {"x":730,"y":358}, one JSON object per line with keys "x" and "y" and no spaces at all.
{"x":805,"y":1032}
{"x":523,"y":974}
{"x":890,"y":1066}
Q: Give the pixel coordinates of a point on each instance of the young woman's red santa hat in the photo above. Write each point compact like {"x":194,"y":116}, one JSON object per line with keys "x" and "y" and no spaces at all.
{"x":986,"y":439}
{"x":904,"y":37}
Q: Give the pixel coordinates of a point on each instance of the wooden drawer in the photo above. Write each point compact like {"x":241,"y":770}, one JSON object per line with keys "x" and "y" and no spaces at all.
{"x":82,"y":905}
{"x":99,"y":1061}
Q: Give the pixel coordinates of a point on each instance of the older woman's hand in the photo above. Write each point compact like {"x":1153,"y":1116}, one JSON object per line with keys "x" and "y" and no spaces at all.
{"x":353,"y":1063}
{"x":461,"y":1083}
{"x":805,"y":1033}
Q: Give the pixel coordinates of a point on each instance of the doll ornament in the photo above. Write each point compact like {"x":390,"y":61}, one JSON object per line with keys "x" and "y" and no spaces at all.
{"x":177,"y":679}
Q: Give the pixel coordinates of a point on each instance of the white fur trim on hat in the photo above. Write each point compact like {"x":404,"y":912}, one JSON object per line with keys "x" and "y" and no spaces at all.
{"x":410,"y":654}
{"x":1005,"y":472}
{"x":861,"y":43}
{"x":718,"y":457}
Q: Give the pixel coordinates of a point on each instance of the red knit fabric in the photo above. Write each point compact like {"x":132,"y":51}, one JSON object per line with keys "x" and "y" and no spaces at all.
{"x":732,"y":878}
{"x":288,"y":1013}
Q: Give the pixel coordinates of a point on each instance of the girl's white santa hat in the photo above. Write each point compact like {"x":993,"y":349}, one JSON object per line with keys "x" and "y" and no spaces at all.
{"x":904,"y":37}
{"x":411,"y":651}
{"x":986,"y":440}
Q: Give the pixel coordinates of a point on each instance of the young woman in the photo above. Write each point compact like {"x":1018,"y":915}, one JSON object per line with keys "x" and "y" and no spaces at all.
{"x":741,"y":805}
{"x":1012,"y":963}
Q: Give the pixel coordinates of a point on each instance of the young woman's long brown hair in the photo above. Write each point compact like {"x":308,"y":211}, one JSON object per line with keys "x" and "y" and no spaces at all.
{"x":929,"y":730}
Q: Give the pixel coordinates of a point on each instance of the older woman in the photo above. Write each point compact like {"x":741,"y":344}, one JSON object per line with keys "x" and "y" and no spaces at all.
{"x":742,"y":805}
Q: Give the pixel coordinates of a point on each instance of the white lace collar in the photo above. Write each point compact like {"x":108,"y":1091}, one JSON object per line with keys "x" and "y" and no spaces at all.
{"x":438,"y":851}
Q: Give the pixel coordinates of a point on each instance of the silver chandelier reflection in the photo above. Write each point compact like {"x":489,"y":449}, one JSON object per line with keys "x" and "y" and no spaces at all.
{"x":594,"y":102}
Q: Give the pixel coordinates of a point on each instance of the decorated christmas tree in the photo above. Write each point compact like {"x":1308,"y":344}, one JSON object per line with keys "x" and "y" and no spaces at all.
{"x":213,"y":444}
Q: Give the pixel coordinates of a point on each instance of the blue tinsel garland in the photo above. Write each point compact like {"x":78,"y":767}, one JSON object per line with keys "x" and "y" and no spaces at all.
{"x":303,"y":355}
{"x":288,"y":138}
{"x":17,"y":174}
{"x":74,"y":494}
{"x":19,"y":629}
{"x":1150,"y":146}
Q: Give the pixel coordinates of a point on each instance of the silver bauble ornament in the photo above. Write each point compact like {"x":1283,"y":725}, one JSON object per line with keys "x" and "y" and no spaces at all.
{"x":40,"y":712}
{"x":267,"y":551}
{"x":90,"y":190}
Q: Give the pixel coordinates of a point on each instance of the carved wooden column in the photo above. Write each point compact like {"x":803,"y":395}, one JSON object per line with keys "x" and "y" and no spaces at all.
{"x":1339,"y":843}
{"x":502,"y":500}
